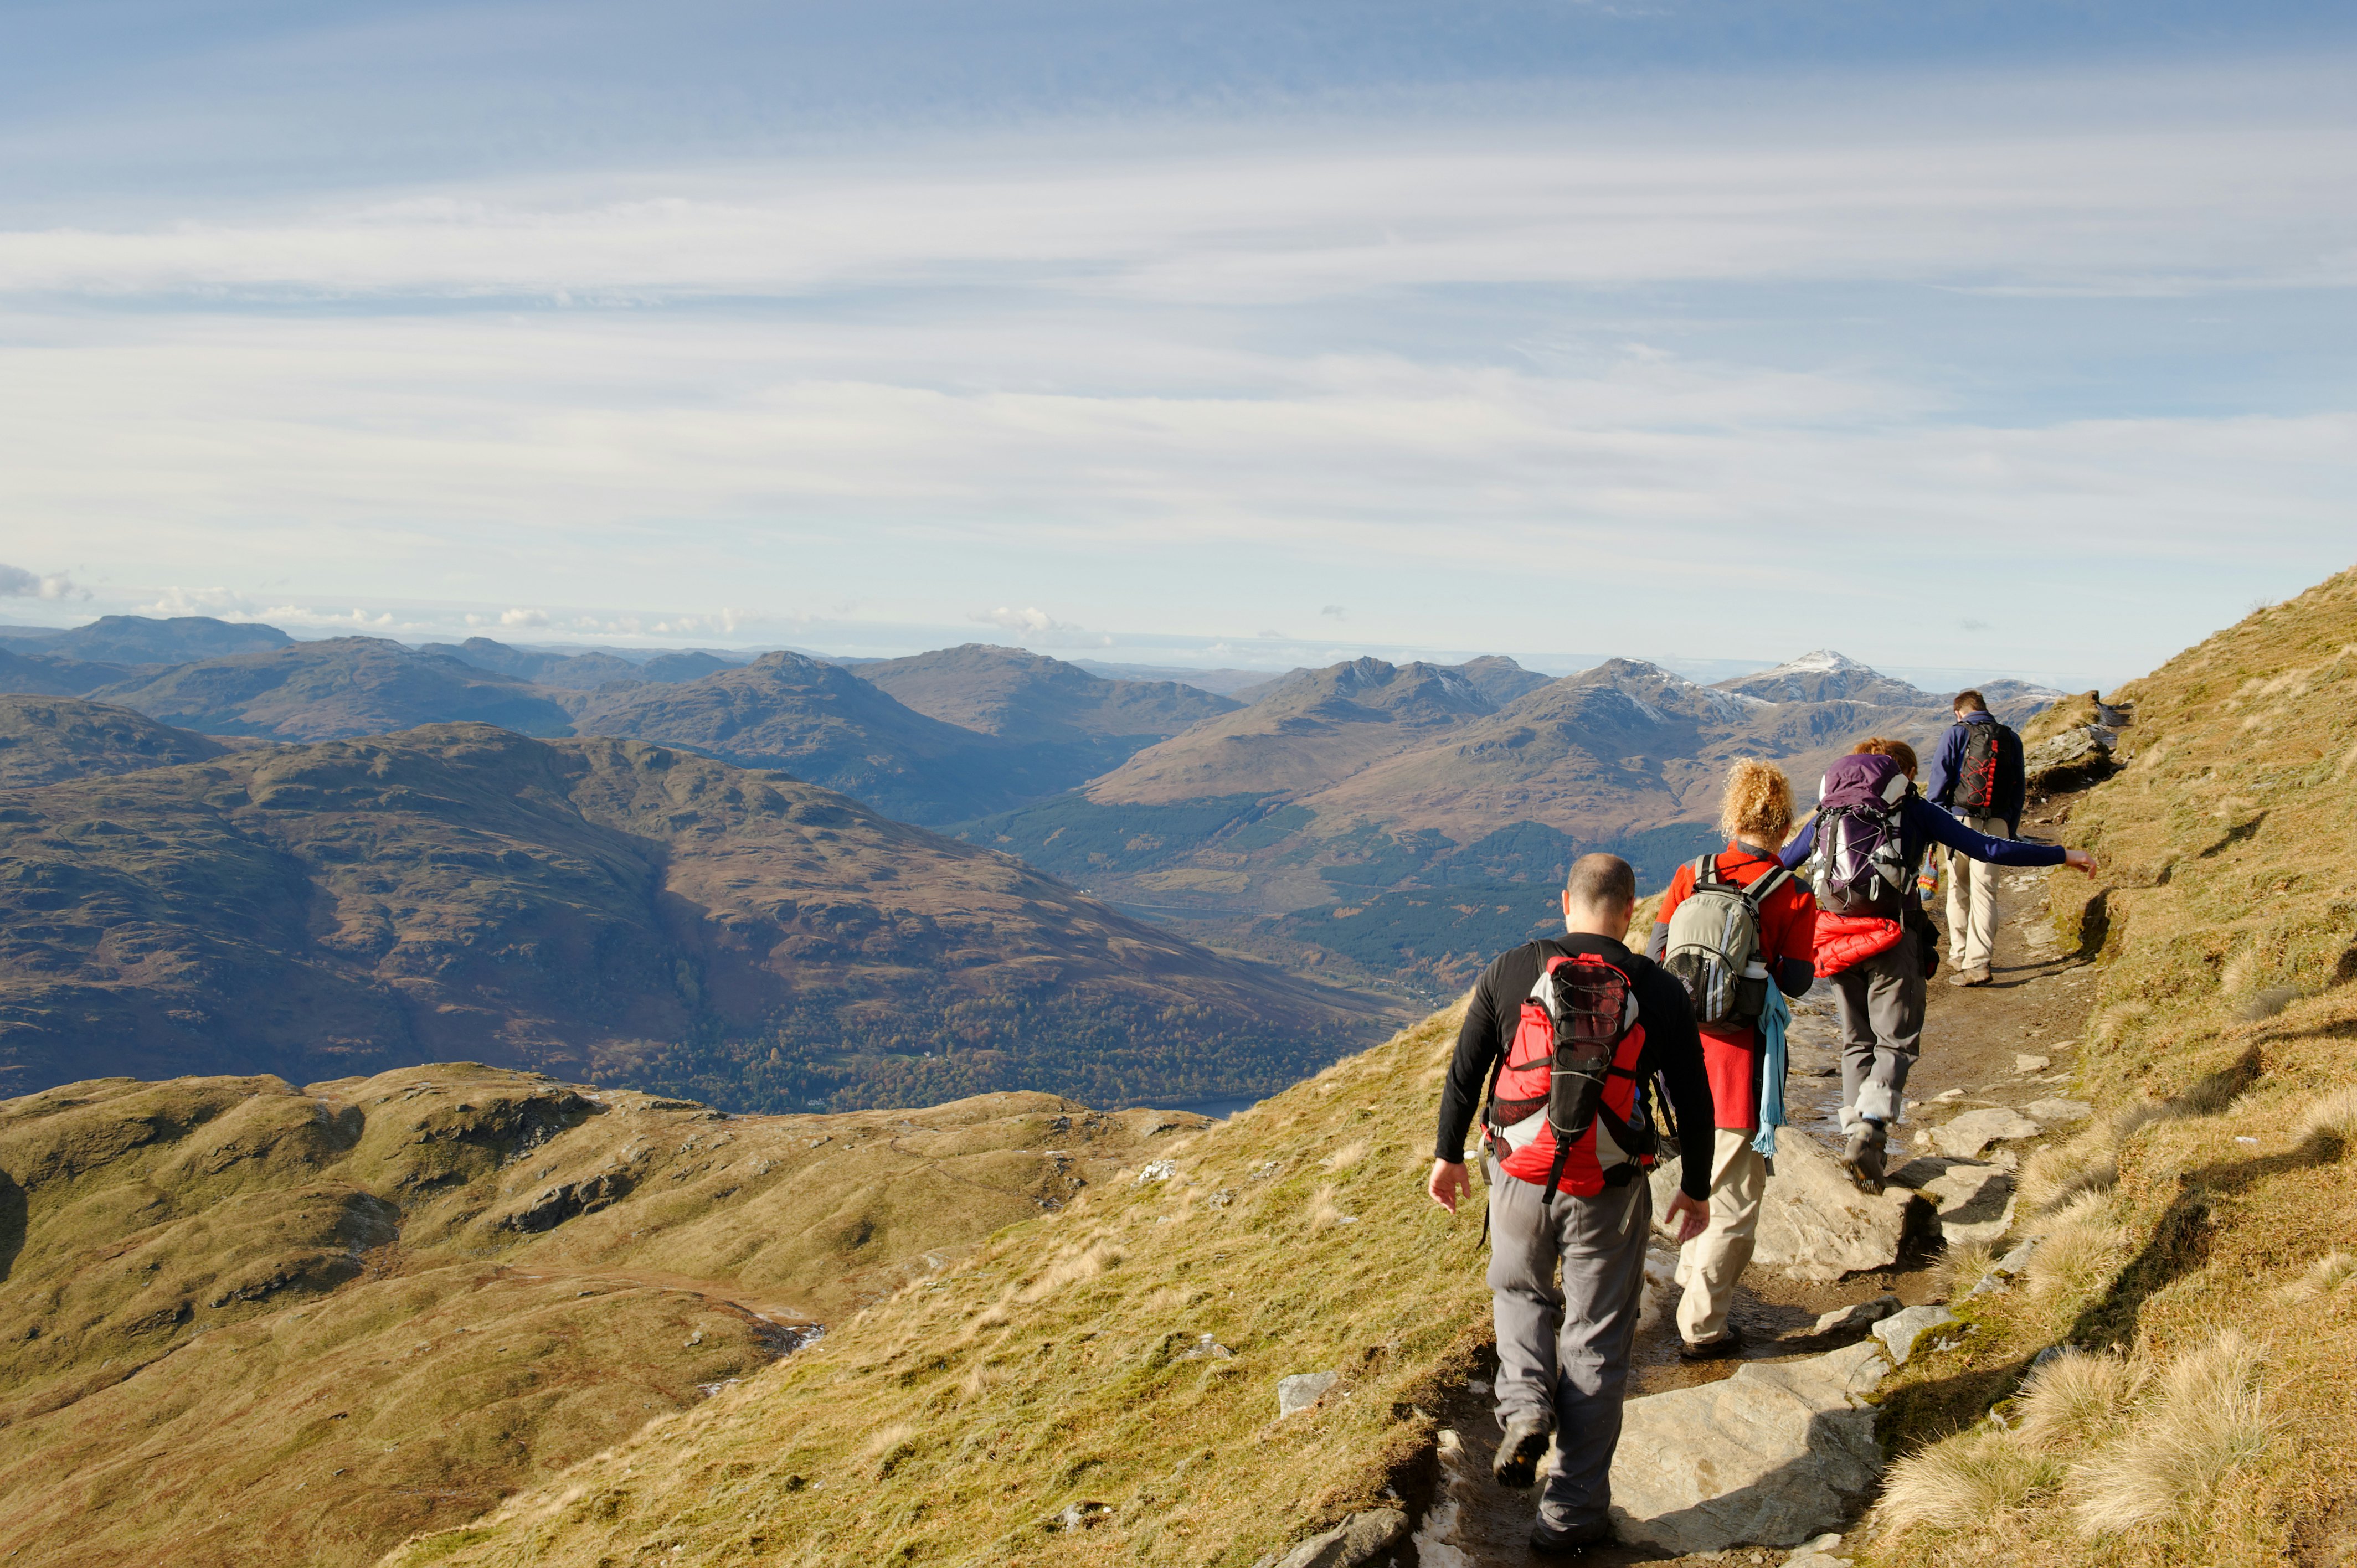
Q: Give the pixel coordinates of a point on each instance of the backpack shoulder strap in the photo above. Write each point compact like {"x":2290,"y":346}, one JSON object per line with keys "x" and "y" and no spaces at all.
{"x":1759,"y":892}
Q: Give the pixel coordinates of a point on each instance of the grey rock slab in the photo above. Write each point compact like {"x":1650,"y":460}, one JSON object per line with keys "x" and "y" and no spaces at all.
{"x":2026,"y":1062}
{"x":1965,"y":1136}
{"x":1901,"y":1330}
{"x":1357,"y":1541}
{"x":1814,"y":1221}
{"x":1773,"y":1456}
{"x":2059,"y":1109}
{"x":1841,"y":1319}
{"x":1302,"y":1389}
{"x":1974,"y":1202}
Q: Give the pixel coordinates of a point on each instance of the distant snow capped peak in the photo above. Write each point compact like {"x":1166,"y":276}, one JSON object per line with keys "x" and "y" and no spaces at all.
{"x":1823,"y":661}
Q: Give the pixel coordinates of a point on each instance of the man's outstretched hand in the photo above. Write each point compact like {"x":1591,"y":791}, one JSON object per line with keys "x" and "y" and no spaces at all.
{"x":2078,"y":860}
{"x":1697,"y":1212}
{"x":1449,"y":1184}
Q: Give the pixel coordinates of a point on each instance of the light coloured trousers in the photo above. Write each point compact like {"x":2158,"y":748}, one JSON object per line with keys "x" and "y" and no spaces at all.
{"x":1709,"y":1265}
{"x":1563,"y":1352}
{"x":1971,"y":899}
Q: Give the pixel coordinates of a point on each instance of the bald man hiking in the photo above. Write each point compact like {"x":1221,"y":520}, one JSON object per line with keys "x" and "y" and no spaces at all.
{"x":1568,"y":1032}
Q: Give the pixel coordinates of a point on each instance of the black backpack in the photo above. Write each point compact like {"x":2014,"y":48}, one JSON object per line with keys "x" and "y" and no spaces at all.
{"x":1976,"y":775}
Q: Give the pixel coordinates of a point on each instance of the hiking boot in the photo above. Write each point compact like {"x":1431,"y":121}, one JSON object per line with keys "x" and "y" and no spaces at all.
{"x":1520,"y":1450}
{"x":1569,"y":1543}
{"x":1971,"y":977}
{"x":1862,"y":1157}
{"x":1727,"y":1344}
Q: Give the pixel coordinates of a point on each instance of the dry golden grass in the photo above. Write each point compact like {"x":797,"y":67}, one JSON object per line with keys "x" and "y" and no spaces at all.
{"x":2217,"y":1194}
{"x":1969,"y":1481}
{"x":2207,"y":1419}
{"x":1097,"y":1386}
{"x":2083,"y":1246}
{"x":2075,"y":1399}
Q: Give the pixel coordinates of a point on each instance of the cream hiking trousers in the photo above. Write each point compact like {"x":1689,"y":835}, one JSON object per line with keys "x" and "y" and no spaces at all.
{"x":1971,"y":899}
{"x":1709,"y":1265}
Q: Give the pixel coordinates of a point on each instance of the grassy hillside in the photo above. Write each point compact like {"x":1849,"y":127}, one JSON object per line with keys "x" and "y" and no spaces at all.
{"x":603,"y":910}
{"x":240,"y":1322}
{"x":1066,"y":1365}
{"x":2199,"y":1238}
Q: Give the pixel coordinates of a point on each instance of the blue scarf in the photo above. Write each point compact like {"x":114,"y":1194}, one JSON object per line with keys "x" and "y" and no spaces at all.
{"x":1772,"y":1024}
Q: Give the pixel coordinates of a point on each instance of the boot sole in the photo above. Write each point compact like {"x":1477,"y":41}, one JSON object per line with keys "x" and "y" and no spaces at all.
{"x":1518,"y":1467}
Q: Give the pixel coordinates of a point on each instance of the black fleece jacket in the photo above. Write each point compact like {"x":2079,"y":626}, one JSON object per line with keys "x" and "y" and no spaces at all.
{"x":1673,"y":1047}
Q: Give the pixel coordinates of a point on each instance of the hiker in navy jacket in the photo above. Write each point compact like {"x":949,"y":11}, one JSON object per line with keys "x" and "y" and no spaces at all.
{"x":1880,"y":996}
{"x":1977,"y":778}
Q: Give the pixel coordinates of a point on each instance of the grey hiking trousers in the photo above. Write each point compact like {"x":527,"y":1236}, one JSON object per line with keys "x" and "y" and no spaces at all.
{"x":1564,"y":1351}
{"x":1881,"y":1006}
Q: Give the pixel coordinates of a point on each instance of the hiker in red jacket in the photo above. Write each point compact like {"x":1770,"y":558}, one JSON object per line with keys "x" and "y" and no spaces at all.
{"x":1864,"y":848}
{"x":1754,"y":904}
{"x":1571,"y":1032}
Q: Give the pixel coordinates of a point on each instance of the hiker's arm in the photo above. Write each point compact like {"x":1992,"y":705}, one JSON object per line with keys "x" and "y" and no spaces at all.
{"x":1468,"y":1070}
{"x":1795,"y":975}
{"x":1803,"y":842}
{"x":1939,"y":826}
{"x":1657,"y":946}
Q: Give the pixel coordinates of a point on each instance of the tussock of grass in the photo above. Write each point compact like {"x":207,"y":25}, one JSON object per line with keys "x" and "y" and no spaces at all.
{"x":1966,"y":1481}
{"x":2331,"y":1273}
{"x":2058,"y":1174}
{"x":2332,"y":1119}
{"x":1962,"y":1267}
{"x":2074,"y":1400}
{"x":2208,"y":1418}
{"x":2083,"y":1245}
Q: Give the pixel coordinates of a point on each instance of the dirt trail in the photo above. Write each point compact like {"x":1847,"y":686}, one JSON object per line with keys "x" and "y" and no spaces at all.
{"x":2036,"y":1004}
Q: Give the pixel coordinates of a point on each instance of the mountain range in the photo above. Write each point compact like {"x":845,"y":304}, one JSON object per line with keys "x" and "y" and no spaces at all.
{"x":1398,"y":817}
{"x":603,"y":908}
{"x":1320,"y":819}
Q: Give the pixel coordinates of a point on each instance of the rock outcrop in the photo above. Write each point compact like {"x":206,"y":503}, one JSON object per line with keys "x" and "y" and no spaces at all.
{"x":1814,"y":1222}
{"x":1361,"y":1539}
{"x":1774,"y":1455}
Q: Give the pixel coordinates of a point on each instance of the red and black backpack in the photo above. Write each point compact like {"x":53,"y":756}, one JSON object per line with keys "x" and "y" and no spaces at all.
{"x":1564,"y":1107}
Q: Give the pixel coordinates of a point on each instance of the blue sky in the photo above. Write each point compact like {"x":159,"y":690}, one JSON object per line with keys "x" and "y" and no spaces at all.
{"x":2009,"y":337}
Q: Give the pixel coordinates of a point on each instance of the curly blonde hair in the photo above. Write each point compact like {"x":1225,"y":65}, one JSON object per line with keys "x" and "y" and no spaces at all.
{"x":1898,"y":751}
{"x":1758,"y":804}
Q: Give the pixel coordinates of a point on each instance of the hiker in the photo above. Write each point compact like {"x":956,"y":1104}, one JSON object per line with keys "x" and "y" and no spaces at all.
{"x":1729,"y":924}
{"x":1568,"y":1032}
{"x":1863,"y":847}
{"x":1977,"y":779}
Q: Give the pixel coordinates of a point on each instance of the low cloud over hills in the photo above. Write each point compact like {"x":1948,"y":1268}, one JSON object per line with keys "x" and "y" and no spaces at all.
{"x":604,"y":909}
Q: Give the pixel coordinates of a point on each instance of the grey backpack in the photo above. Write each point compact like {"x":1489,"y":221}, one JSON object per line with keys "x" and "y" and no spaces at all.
{"x":1714,"y":938}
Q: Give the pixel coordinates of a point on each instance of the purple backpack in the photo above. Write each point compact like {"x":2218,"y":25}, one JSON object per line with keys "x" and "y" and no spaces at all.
{"x":1858,"y":867}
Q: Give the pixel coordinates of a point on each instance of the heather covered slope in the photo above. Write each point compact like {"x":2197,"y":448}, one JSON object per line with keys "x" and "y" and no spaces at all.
{"x":44,"y":740}
{"x":245,"y":1322}
{"x":602,"y":908}
{"x":2216,"y":1192}
{"x":1119,"y":1357}
{"x":342,"y":686}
